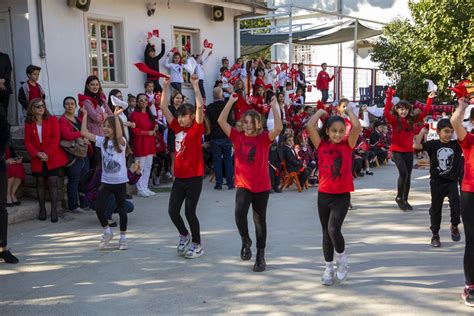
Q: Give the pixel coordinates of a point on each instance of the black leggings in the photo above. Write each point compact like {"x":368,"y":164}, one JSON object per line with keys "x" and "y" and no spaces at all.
{"x":439,"y":190}
{"x":176,"y":86}
{"x":332,"y":210}
{"x":119,"y":191}
{"x":3,"y":206}
{"x":404,"y":163}
{"x":467,"y":213}
{"x":186,"y":190}
{"x":259,"y":201}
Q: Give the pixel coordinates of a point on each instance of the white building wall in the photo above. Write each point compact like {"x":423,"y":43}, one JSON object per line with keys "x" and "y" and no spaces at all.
{"x":65,"y":66}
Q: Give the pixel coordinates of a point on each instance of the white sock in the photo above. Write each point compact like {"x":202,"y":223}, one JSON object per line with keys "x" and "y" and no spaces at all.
{"x":123,"y":236}
{"x":341,"y":257}
{"x":107,"y":230}
{"x":330,"y":266}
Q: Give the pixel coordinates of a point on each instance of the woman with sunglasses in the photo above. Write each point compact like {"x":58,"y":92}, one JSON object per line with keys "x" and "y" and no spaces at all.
{"x":42,"y":143}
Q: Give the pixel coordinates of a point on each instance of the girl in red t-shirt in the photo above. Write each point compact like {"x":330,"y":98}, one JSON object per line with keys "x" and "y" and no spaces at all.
{"x":335,"y":185}
{"x":467,"y":197}
{"x":252,"y":179}
{"x":188,"y":128}
{"x":403,"y":120}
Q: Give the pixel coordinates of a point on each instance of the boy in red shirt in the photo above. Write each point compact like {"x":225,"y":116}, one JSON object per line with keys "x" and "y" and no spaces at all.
{"x":30,"y":89}
{"x":322,"y":82}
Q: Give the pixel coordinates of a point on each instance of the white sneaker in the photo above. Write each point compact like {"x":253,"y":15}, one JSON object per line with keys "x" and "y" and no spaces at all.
{"x":328,"y":277}
{"x":183,"y":245}
{"x":150,"y":193}
{"x":143,"y":194}
{"x":123,"y":245}
{"x":106,"y":238}
{"x":195,"y":251}
{"x":341,"y":271}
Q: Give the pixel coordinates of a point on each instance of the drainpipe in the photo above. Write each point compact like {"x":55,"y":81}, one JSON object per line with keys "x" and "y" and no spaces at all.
{"x":39,"y":15}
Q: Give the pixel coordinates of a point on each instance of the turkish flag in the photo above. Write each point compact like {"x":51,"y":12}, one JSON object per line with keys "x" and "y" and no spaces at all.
{"x":206,"y":43}
{"x":187,"y":47}
{"x":156,"y":33}
{"x":144,"y":68}
{"x":150,"y":35}
{"x":210,"y":45}
{"x":227,"y":74}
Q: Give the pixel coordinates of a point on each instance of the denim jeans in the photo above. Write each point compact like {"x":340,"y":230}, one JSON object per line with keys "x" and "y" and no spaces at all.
{"x":222,"y":150}
{"x":111,"y":206}
{"x":74,"y":174}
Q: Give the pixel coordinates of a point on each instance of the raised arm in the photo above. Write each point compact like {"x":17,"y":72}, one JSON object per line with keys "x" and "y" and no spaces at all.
{"x":277,"y":120}
{"x":168,"y":60}
{"x":388,"y":105}
{"x":222,"y":120}
{"x":311,"y":127}
{"x":419,"y":139}
{"x":355,"y":130}
{"x":457,"y":118}
{"x":118,"y":126}
{"x":158,"y":57}
{"x":427,"y":108}
{"x":164,"y":101}
{"x":199,"y":102}
{"x":84,"y":132}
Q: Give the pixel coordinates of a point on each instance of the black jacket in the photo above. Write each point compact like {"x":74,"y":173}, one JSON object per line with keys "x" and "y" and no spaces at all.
{"x":4,"y":137}
{"x":213,"y":111}
{"x":291,"y":160}
{"x":6,"y":73}
{"x":154,"y":63}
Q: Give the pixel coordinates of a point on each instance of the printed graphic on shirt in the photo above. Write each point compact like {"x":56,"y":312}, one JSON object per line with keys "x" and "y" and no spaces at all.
{"x":109,"y":164}
{"x":332,"y":160}
{"x":179,"y":143}
{"x":445,"y":157}
{"x":248,"y":150}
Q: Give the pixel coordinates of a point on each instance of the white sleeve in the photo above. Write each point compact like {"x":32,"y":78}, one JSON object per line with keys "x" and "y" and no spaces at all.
{"x":365,"y":122}
{"x":99,"y":141}
{"x":375,"y":111}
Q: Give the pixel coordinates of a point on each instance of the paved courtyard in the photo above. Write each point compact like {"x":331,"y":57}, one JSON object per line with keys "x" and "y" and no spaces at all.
{"x":394,"y":270}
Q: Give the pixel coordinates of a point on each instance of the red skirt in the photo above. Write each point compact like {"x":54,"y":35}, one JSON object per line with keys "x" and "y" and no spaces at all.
{"x":16,"y":171}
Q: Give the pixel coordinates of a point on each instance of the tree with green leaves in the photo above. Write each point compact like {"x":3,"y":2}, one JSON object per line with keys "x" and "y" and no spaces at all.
{"x":437,"y":43}
{"x":257,"y":23}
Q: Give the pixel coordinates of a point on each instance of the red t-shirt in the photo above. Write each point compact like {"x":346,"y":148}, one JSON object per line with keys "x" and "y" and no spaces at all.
{"x":467,"y":146}
{"x":34,"y":92}
{"x":189,"y":161}
{"x":335,"y":167}
{"x":143,"y":144}
{"x":251,"y":161}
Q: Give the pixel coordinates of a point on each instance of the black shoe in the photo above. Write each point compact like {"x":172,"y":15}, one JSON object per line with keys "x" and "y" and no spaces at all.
{"x":218,"y":187}
{"x":408,"y":206}
{"x":360,"y":174}
{"x":17,"y":203}
{"x":54,"y":216}
{"x":370,"y":173}
{"x":42,"y":215}
{"x":8,"y":257}
{"x":260,"y":263}
{"x":246,"y":251}
{"x":128,"y":197}
{"x":401,"y":204}
{"x":231,"y":187}
{"x":435,"y":242}
{"x":112,"y":223}
{"x":277,"y":190}
{"x":9,"y":204}
{"x":455,"y":234}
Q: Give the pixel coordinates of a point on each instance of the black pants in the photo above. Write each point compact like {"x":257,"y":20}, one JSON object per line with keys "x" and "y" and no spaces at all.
{"x":3,"y":206}
{"x":404,"y":163}
{"x":176,"y":86}
{"x":467,"y":212}
{"x":161,"y":160}
{"x":157,"y":86}
{"x":439,"y":190}
{"x":325,"y":96}
{"x":188,"y":191}
{"x":118,"y":191}
{"x":381,"y":154}
{"x":4,"y":102}
{"x":332,"y":210}
{"x":259,"y":201}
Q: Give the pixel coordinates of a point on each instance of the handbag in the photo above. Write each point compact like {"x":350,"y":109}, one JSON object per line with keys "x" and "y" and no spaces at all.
{"x":77,"y":147}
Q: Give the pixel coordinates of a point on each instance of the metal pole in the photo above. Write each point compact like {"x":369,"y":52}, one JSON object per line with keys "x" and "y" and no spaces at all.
{"x":355,"y":59}
{"x":290,"y":37}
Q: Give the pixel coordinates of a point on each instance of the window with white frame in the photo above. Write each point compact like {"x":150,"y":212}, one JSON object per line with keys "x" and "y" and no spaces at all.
{"x":105,"y":56}
{"x":304,"y":54}
{"x":181,"y":37}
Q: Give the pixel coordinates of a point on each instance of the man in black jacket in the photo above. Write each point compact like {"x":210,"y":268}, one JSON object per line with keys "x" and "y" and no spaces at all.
{"x":221,"y":145}
{"x":5,"y":253}
{"x":5,"y":84}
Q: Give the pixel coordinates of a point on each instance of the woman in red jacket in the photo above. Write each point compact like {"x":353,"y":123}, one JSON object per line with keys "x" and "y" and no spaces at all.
{"x":403,"y":119}
{"x":144,"y":142}
{"x":42,"y":144}
{"x":70,"y":126}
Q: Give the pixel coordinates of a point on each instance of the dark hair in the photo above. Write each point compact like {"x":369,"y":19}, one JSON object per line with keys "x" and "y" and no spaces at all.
{"x":147,"y":83}
{"x":443,"y":123}
{"x":268,"y":96}
{"x":31,"y":68}
{"x":224,"y":59}
{"x":471,"y":115}
{"x":278,"y":94}
{"x":223,"y":69}
{"x":114,"y":93}
{"x":30,"y":116}
{"x":344,"y":100}
{"x":379,"y":123}
{"x":151,"y":117}
{"x":95,"y":96}
{"x":176,"y":54}
{"x":217,"y":83}
{"x":411,"y":117}
{"x":324,"y":64}
{"x":266,"y":61}
{"x":175,"y":93}
{"x":257,"y":70}
{"x":111,"y":121}
{"x":68,"y":98}
{"x":185,"y":109}
{"x":256,"y":118}
{"x":329,"y":122}
{"x":288,"y":83}
{"x":300,"y":64}
{"x":130,"y":97}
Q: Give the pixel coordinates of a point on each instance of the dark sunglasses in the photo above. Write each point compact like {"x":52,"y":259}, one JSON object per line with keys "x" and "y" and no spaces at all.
{"x":38,"y":106}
